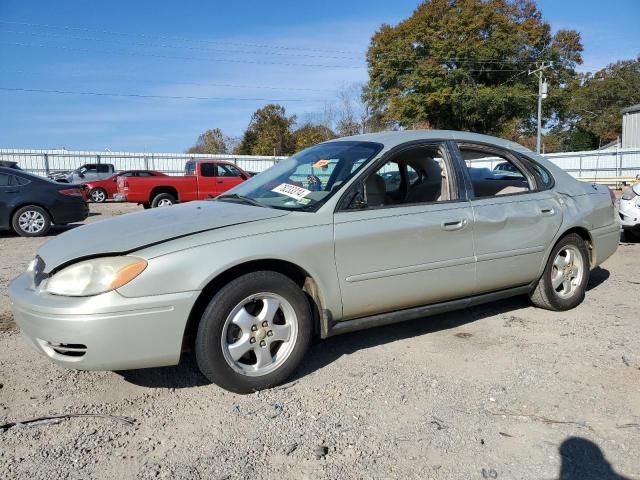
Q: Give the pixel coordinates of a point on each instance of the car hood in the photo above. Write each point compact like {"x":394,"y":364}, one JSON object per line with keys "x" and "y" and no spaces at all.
{"x":134,"y":231}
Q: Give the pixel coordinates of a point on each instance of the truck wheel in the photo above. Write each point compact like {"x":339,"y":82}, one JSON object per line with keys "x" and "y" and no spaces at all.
{"x":98,"y":195}
{"x":564,"y":281}
{"x":254,"y":333}
{"x":163,"y":200}
{"x":31,"y":221}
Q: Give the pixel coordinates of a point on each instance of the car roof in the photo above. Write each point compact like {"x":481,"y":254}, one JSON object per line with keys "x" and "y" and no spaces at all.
{"x":394,"y":138}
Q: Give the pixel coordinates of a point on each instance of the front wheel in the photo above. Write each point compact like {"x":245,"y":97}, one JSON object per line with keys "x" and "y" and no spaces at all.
{"x":31,"y":221}
{"x":564,"y":281}
{"x":254,"y":333}
{"x":98,"y":195}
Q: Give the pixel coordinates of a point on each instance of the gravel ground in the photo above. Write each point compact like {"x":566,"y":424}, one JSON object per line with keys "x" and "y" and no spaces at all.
{"x":499,"y":391}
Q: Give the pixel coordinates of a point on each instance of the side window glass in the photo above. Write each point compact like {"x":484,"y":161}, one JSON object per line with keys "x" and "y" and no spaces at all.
{"x":4,"y":180}
{"x":145,"y":174}
{"x":208,"y":170}
{"x":228,"y":171}
{"x":128,"y":174}
{"x":103,"y":168}
{"x":493,"y":173}
{"x":416,"y":175}
{"x":543,"y":175}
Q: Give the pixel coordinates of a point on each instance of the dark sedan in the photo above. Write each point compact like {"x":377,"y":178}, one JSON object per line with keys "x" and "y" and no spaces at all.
{"x":29,"y":204}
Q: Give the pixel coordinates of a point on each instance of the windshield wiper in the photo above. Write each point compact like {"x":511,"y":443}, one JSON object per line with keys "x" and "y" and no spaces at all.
{"x":241,"y":199}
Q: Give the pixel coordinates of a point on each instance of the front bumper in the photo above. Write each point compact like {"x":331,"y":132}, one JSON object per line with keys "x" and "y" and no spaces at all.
{"x":104,"y":332}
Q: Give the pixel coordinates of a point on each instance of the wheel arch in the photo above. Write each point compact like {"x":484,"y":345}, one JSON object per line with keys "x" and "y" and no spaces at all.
{"x":19,"y":205}
{"x":296,"y":273}
{"x":163,"y":189}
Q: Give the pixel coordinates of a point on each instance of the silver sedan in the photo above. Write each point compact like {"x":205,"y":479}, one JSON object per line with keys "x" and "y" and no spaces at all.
{"x":346,"y":235}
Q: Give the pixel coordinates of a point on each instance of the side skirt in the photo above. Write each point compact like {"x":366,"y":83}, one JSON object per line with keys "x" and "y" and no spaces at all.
{"x":423,"y":311}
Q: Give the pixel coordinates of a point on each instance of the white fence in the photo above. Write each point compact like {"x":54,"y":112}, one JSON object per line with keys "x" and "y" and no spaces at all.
{"x":603,"y":165}
{"x":43,"y":162}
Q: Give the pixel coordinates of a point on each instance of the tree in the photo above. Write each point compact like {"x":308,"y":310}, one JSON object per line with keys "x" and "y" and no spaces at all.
{"x":309,"y":134}
{"x":212,"y":141}
{"x":269,"y":133}
{"x":463,"y":64}
{"x":596,"y":104}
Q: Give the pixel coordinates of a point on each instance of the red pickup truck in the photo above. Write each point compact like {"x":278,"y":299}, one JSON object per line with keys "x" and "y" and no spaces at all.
{"x":202,"y":179}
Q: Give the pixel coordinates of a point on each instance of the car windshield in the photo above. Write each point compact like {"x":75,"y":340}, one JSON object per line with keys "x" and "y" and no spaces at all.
{"x":306,"y":180}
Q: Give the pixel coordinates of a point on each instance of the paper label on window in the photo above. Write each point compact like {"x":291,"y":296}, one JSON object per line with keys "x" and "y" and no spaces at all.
{"x":292,"y":191}
{"x":321,"y":164}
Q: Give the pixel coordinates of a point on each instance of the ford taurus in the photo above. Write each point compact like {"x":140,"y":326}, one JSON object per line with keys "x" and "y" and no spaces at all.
{"x":319,"y":244}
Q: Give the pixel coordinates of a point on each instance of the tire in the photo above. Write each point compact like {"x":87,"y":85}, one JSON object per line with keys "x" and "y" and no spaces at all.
{"x":98,"y":195}
{"x":563,"y":285}
{"x":31,"y":221}
{"x":225,"y":332}
{"x":163,"y":200}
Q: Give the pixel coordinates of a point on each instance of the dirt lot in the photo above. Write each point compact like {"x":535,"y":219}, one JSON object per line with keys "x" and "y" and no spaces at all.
{"x":501,"y":391}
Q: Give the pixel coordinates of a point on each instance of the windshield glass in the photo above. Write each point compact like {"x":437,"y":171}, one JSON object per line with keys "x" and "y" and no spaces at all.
{"x":306,"y":180}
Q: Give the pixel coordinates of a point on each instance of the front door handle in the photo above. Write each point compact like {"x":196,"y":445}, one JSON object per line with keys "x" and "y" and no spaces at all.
{"x":454,"y":224}
{"x":548,"y":211}
{"x":220,"y":181}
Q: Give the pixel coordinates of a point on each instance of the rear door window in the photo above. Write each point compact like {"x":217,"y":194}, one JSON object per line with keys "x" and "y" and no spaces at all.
{"x":4,"y":180}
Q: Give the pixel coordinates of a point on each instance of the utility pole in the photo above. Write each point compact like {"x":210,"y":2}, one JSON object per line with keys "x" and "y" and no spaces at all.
{"x":542,"y":93}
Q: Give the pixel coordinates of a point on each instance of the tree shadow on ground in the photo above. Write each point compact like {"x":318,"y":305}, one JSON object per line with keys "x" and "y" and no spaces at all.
{"x":583,"y":460}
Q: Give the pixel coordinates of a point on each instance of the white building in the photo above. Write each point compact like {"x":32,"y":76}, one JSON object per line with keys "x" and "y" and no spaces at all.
{"x":631,"y":127}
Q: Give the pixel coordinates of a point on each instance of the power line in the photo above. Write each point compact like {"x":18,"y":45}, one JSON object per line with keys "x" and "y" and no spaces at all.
{"x":211,"y":42}
{"x":197,"y":84}
{"x":169,"y":57}
{"x":165,"y":97}
{"x":185,"y":47}
{"x":392,"y":55}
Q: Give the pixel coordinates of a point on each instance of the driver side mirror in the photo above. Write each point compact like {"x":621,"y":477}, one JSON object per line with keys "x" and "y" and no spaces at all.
{"x":356,"y":199}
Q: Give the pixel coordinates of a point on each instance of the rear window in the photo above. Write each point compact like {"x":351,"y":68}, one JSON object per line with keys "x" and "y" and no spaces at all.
{"x":190,"y":168}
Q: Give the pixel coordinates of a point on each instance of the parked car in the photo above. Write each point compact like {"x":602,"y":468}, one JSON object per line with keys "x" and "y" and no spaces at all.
{"x":29,"y":204}
{"x":247,"y":279}
{"x":202,"y":179}
{"x":629,"y":209}
{"x":9,"y":164}
{"x":87,"y":172}
{"x":102,"y":190}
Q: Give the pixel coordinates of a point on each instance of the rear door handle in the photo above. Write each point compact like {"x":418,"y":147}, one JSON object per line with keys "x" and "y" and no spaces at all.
{"x":454,"y":224}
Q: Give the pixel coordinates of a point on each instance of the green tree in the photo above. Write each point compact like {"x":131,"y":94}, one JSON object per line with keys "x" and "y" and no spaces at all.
{"x":595,"y":105}
{"x":269,"y":133}
{"x":463,"y":64}
{"x":212,"y":141}
{"x":309,"y":134}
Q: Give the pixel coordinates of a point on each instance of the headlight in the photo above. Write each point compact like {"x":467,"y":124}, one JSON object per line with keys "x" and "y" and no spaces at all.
{"x":92,"y":277}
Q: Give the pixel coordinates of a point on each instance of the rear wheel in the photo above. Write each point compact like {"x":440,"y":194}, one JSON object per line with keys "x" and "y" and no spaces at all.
{"x":564,"y":281}
{"x":98,"y":195}
{"x":254,"y":332}
{"x":163,"y":200}
{"x":31,"y":221}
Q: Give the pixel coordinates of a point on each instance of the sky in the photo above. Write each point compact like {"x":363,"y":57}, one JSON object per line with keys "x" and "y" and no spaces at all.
{"x":176,"y":69}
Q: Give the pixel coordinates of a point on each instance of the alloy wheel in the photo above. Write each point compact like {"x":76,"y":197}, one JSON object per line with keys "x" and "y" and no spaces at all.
{"x":31,"y":221}
{"x":259,"y":334}
{"x":567,"y":271}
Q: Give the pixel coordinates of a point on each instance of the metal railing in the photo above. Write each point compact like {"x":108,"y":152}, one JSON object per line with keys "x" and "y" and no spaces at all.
{"x":43,"y":162}
{"x":603,"y":166}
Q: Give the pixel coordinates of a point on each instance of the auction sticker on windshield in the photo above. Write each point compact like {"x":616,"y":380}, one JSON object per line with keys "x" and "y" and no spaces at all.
{"x":292,"y":191}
